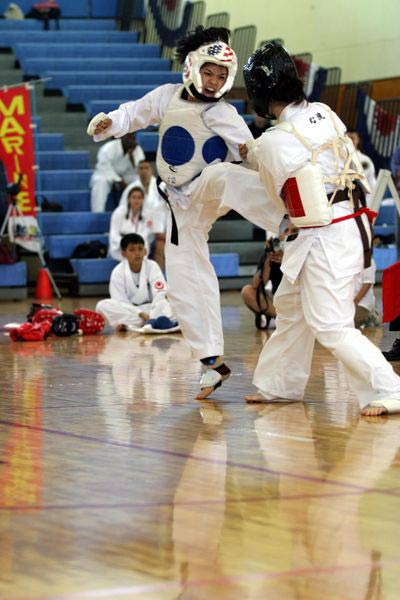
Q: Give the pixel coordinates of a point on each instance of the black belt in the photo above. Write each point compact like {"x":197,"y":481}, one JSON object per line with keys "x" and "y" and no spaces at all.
{"x":341,"y":196}
{"x":174,"y":227}
{"x":358,"y":200}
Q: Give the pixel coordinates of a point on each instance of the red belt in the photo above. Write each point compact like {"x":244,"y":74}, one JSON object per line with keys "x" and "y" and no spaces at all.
{"x":364,"y":210}
{"x":364,"y":236}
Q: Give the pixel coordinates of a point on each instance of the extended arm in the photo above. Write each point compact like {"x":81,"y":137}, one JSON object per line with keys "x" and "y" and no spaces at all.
{"x":132,"y":116}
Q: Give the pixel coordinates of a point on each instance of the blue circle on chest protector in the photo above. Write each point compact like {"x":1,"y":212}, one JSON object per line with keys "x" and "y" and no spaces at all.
{"x":214,"y":148}
{"x":177,"y":146}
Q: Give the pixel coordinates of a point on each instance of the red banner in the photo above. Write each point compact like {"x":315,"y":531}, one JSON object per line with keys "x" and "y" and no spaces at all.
{"x":16,"y":145}
{"x":17,"y":154}
{"x":390,"y":292}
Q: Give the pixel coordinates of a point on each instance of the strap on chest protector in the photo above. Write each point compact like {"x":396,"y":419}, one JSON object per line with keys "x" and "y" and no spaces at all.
{"x":174,"y":227}
{"x":346,"y":178}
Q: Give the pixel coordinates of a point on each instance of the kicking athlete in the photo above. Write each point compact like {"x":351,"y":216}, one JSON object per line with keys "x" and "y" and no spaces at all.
{"x":198,"y":129}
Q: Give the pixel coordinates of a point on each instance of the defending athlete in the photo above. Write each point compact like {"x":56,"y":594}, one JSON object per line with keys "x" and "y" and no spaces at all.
{"x":309,"y":166}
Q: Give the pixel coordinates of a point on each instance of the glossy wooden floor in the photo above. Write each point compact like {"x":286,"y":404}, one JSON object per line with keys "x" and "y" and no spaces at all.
{"x":116,"y":483}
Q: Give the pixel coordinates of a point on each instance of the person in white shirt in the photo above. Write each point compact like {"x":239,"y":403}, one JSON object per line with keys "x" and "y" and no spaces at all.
{"x":308,"y":150}
{"x":130,"y":218}
{"x":153,"y":203}
{"x":116,"y":164}
{"x":367,"y":313}
{"x":198,"y":129}
{"x":138,"y":291}
{"x":366,"y":162}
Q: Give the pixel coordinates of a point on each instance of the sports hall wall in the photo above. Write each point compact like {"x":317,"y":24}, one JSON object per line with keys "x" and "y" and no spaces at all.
{"x":363,"y":38}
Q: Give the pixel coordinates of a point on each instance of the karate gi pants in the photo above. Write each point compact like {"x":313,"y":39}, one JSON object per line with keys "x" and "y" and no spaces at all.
{"x":193,"y":288}
{"x":318,"y":306}
{"x":124,"y":313}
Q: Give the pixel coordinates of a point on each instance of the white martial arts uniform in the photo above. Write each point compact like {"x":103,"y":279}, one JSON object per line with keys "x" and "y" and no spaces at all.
{"x":192,"y":283}
{"x":367,"y":276}
{"x":369,"y":170}
{"x":133,"y":293}
{"x":152,"y":203}
{"x":120,"y":225}
{"x":112,"y":166}
{"x":315,"y":299}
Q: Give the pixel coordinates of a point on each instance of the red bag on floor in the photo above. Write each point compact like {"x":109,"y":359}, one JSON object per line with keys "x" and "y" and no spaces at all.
{"x":90,"y":321}
{"x":46,"y":314}
{"x":31,"y":332}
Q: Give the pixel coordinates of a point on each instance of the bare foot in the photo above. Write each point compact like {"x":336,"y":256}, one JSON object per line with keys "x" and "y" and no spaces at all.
{"x":205,"y":392}
{"x":254,"y":398}
{"x":374,"y":411}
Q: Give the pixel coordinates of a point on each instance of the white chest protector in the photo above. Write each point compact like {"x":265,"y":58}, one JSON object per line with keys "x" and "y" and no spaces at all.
{"x":186,"y":144}
{"x":304,"y":193}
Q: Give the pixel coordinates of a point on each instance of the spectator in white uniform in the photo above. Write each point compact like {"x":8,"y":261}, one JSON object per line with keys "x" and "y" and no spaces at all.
{"x":138,"y":291}
{"x":197,"y":129}
{"x":308,"y":149}
{"x":131,"y":218}
{"x":366,"y":162}
{"x":153,"y":203}
{"x":367,"y":313}
{"x":116,"y":164}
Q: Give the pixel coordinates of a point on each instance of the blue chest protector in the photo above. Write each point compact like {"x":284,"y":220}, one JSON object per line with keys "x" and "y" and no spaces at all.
{"x":186,"y":144}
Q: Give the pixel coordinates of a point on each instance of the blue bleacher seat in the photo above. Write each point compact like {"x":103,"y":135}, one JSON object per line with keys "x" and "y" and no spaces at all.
{"x":71,"y":159}
{"x":62,"y":246}
{"x":61,"y":79}
{"x":9,"y":39}
{"x":71,"y":200}
{"x":148,"y":140}
{"x":384,"y":257}
{"x":385,"y":223}
{"x":93,"y":270}
{"x":65,"y":24}
{"x":104,"y":8}
{"x":225,"y":265}
{"x":50,"y":141}
{"x":80,"y":94}
{"x":99,"y":9}
{"x":74,"y":223}
{"x":240,"y":105}
{"x":65,"y":180}
{"x":384,"y":230}
{"x":38,"y":66}
{"x":83,"y":51}
{"x":36,"y":122}
{"x":386,"y":215}
{"x":13,"y":275}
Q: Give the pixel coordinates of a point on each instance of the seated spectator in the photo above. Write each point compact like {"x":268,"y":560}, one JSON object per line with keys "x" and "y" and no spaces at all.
{"x":130,"y":218}
{"x":13,"y":11}
{"x":367,"y":314}
{"x":395,"y":166}
{"x":116,"y":164}
{"x":153,"y":203}
{"x":366,"y":162}
{"x":45,"y":11}
{"x":138,"y":291}
{"x":257,"y":295}
{"x":394,"y":353}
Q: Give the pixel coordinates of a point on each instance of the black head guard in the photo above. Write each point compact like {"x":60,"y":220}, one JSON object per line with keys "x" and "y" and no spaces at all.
{"x":267,"y":69}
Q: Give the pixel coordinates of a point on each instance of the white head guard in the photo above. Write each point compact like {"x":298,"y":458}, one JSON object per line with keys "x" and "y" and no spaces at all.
{"x":218,"y":53}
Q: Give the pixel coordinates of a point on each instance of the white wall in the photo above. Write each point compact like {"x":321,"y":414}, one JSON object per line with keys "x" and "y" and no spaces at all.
{"x":360,"y":36}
